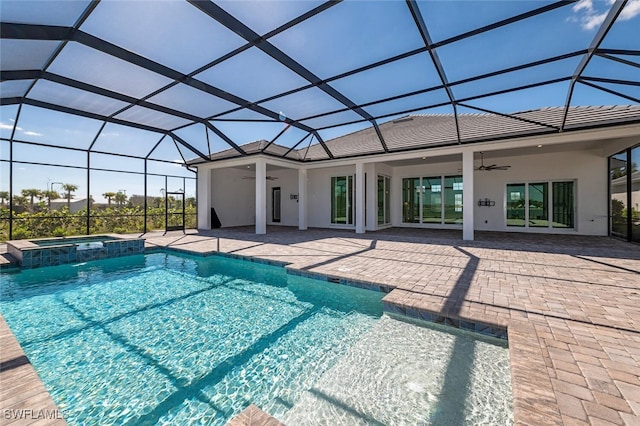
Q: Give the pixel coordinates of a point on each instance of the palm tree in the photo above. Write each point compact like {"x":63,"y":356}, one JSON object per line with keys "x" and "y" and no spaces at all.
{"x":120,"y":198}
{"x":4,"y":196}
{"x":69,"y":187}
{"x":31,"y":193}
{"x":19,"y":200}
{"x":109,"y":196}
{"x":50,"y":195}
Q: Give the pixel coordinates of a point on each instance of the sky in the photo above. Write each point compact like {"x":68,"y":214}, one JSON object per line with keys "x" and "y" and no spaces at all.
{"x":342,"y":38}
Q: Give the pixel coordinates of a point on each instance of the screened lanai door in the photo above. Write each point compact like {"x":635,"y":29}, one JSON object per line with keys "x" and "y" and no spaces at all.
{"x":175,"y":211}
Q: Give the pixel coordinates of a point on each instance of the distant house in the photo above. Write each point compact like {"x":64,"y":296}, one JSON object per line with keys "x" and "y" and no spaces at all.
{"x":136,"y":200}
{"x":619,"y":190}
{"x":75,"y":206}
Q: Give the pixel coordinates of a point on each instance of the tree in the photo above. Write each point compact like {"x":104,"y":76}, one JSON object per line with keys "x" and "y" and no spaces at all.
{"x":69,"y":187}
{"x":31,"y":193}
{"x":120,"y":198}
{"x":109,"y":196}
{"x":4,"y":196}
{"x":50,"y":195}
{"x":19,"y":200}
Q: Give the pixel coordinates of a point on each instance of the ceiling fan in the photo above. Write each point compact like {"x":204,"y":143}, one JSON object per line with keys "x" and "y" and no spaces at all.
{"x":253,"y":177}
{"x":484,"y":168}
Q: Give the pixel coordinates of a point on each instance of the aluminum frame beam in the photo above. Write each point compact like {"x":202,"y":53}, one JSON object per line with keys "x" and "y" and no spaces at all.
{"x":606,"y":25}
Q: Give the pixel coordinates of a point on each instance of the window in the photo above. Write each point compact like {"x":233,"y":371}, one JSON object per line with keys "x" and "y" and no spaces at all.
{"x":342,"y":200}
{"x":453,"y":199}
{"x":539,"y":205}
{"x":431,"y":200}
{"x":528,"y":204}
{"x":563,"y":205}
{"x":435,"y":200}
{"x":384,"y":200}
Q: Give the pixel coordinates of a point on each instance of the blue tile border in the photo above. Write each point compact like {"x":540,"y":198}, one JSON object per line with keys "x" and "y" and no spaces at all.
{"x":367,"y":285}
{"x":157,"y":249}
{"x":479,"y":327}
{"x":42,"y":256}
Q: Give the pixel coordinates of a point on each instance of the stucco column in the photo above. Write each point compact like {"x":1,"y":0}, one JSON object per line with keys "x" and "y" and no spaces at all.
{"x":204,"y":198}
{"x":302,"y":199}
{"x":359,"y":198}
{"x":468,"y":204}
{"x":371,"y":212}
{"x":261,"y":196}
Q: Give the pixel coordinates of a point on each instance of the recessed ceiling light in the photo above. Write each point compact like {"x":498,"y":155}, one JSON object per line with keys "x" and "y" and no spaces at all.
{"x":539,"y":146}
{"x":424,"y":158}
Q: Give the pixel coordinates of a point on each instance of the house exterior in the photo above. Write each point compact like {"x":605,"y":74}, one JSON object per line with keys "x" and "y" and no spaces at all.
{"x":544,"y":181}
{"x":75,"y":205}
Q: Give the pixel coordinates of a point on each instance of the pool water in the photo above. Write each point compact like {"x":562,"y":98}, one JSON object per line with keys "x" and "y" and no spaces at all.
{"x":76,"y":240}
{"x":168,"y":339}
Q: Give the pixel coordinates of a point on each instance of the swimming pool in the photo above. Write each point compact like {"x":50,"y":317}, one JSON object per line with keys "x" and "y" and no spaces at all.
{"x":173,"y":339}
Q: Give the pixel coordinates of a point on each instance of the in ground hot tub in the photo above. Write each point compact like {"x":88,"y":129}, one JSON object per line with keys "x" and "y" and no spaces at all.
{"x":58,"y":251}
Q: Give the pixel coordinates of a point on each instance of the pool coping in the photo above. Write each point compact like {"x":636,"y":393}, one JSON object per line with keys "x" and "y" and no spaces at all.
{"x":23,"y":398}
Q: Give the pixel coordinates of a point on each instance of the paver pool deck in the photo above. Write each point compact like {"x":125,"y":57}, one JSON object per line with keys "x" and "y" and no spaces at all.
{"x":570,"y":304}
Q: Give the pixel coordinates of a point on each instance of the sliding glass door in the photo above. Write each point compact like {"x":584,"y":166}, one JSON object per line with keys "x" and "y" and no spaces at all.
{"x":432,"y":200}
{"x":624,"y":190}
{"x":530,"y":205}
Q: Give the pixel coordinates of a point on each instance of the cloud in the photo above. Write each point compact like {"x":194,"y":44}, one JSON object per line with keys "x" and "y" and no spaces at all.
{"x":586,"y":5}
{"x":591,"y":22}
{"x":30,"y":133}
{"x":6,"y":126}
{"x":630,"y":11}
{"x":591,"y":15}
{"x":587,"y":15}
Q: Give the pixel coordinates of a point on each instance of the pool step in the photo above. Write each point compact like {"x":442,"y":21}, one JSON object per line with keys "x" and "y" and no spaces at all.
{"x":8,"y":261}
{"x":254,"y":416}
{"x":435,"y":309}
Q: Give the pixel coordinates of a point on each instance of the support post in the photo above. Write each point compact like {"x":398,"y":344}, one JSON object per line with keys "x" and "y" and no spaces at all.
{"x":359,"y":198}
{"x":468,"y":206}
{"x":302,"y":199}
{"x":203,"y":184}
{"x":261,"y":196}
{"x":371,"y":199}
